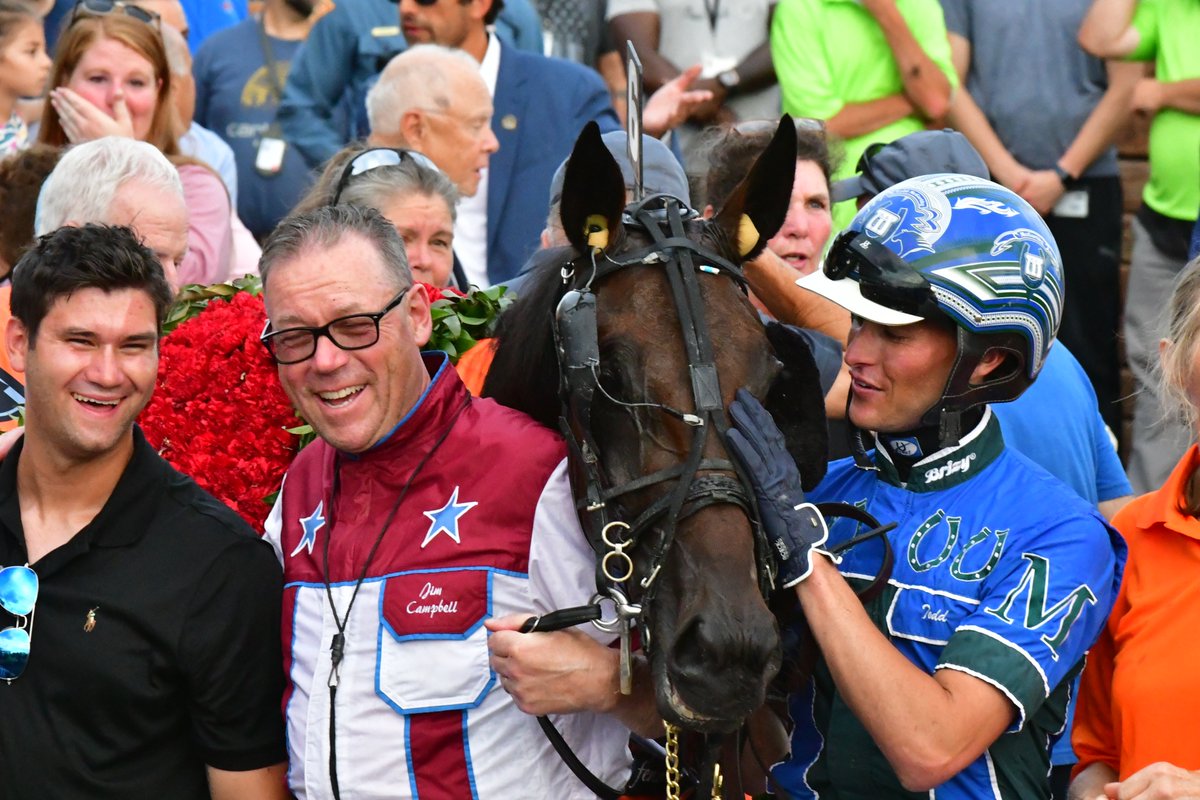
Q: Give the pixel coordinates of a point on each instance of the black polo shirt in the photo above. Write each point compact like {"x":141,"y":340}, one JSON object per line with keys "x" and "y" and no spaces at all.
{"x":182,"y":667}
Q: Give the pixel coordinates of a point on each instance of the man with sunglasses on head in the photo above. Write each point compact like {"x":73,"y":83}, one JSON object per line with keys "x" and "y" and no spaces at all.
{"x":139,"y":654}
{"x":418,"y":514}
{"x":952,"y":676}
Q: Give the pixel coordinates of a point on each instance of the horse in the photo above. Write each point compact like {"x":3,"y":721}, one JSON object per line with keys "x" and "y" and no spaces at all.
{"x":632,"y":342}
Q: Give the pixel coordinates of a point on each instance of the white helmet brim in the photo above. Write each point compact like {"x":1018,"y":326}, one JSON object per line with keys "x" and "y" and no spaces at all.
{"x":848,"y":294}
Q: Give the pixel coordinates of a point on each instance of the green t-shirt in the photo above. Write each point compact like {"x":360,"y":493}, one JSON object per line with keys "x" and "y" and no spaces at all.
{"x":828,"y":53}
{"x":1169,"y":34}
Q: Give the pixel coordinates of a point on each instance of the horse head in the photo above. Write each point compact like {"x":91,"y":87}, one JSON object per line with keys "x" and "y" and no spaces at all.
{"x":653,"y":334}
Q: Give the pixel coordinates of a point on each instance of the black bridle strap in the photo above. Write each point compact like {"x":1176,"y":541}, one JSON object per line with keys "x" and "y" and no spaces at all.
{"x":685,"y":291}
{"x":589,"y":779}
{"x":666,"y":474}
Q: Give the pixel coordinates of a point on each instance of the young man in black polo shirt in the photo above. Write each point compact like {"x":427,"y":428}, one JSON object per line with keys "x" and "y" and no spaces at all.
{"x":153,"y":660}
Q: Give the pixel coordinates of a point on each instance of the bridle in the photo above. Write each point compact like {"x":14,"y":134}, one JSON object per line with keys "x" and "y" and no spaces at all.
{"x":698,"y":482}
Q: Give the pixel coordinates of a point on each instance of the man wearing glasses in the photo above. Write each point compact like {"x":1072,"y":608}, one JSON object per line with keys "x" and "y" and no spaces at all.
{"x":420,"y":513}
{"x":139,"y":653}
{"x":540,"y":106}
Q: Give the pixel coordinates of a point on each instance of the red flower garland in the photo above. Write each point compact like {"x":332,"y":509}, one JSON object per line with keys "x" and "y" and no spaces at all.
{"x":219,"y":413}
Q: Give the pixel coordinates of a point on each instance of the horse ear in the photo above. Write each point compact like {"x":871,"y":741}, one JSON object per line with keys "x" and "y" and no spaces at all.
{"x":795,"y":402}
{"x":757,"y":207}
{"x":593,"y":194}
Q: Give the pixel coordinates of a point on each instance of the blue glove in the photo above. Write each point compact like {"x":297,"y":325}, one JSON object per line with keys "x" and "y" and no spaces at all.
{"x":794,"y":528}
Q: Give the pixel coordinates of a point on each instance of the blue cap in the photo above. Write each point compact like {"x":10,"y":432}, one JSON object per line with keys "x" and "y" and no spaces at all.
{"x":661,"y":171}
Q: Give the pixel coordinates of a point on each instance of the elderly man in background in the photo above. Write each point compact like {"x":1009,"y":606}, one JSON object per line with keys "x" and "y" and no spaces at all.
{"x":431,"y":99}
{"x":110,"y":181}
{"x":540,"y":106}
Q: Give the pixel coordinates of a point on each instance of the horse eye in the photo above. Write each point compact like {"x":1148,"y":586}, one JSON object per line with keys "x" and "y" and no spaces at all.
{"x":610,"y":373}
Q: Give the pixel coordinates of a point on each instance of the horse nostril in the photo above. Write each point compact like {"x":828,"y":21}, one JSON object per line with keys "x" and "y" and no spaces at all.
{"x":706,"y":651}
{"x":692,"y":648}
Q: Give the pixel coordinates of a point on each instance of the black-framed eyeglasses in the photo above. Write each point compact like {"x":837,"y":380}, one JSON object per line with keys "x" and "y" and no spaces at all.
{"x":98,"y":8}
{"x":377,"y":157}
{"x":352,"y":332}
{"x":18,"y":596}
{"x":418,"y":2}
{"x":882,"y":276}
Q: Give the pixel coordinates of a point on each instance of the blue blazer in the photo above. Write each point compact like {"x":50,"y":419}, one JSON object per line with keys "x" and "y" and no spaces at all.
{"x":541,"y":104}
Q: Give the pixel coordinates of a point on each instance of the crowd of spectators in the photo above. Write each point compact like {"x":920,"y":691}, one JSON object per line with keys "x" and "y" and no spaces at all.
{"x":452,"y":117}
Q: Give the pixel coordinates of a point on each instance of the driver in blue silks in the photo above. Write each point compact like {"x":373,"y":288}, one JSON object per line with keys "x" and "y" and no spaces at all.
{"x":955,"y":678}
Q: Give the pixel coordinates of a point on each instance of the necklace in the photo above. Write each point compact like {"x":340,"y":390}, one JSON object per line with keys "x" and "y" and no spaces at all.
{"x":337,"y":648}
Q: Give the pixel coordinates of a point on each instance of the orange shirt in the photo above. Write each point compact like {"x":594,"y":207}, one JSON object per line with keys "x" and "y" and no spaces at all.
{"x":10,"y":376}
{"x":474,"y":364}
{"x":1139,"y":698}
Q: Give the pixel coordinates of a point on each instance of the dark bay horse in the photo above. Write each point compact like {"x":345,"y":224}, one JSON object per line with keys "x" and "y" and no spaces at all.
{"x":654,"y":335}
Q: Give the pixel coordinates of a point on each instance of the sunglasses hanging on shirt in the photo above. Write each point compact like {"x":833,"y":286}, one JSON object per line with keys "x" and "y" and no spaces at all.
{"x":18,"y":596}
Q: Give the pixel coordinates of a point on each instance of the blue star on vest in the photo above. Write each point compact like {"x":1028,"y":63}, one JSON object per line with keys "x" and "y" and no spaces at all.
{"x":311,"y":524}
{"x":445,"y":519}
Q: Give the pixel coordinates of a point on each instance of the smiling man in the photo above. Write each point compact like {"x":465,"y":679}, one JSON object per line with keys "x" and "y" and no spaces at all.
{"x":147,"y":637}
{"x":420,"y":513}
{"x":954,"y":676}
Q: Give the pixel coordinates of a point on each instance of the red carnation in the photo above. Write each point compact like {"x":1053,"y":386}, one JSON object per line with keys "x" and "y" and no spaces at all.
{"x":218,"y":413}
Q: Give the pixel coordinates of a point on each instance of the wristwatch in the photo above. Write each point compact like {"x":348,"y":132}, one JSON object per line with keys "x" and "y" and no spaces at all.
{"x":1067,"y":178}
{"x":730,"y":79}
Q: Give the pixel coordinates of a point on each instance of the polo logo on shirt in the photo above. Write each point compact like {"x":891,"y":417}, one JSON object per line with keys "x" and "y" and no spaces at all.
{"x":445,"y":519}
{"x":310,"y":525}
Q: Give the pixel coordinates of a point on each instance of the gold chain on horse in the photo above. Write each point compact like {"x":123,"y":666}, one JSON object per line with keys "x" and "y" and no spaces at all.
{"x":672,"y":761}
{"x":673,"y":767}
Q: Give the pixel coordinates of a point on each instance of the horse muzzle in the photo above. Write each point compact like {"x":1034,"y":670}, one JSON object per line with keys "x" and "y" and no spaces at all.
{"x":715,"y":670}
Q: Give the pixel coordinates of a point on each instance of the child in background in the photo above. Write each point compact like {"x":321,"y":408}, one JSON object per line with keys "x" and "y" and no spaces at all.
{"x":24,"y":67}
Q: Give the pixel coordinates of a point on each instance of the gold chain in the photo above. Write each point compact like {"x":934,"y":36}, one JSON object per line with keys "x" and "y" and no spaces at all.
{"x":672,"y":762}
{"x":673,"y":767}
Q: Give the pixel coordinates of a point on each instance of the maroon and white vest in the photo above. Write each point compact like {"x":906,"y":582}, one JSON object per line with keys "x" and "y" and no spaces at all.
{"x":486,"y":528}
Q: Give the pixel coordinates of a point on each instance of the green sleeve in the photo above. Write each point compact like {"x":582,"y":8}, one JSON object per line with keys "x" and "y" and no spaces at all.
{"x":802,"y":63}
{"x":1145,"y":22}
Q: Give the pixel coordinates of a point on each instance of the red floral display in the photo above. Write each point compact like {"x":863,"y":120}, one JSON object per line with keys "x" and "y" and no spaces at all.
{"x":218,"y":413}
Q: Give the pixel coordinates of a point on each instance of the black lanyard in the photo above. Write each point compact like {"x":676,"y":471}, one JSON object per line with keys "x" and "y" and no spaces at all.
{"x":713,"y":8}
{"x":269,"y":58}
{"x":337,"y":648}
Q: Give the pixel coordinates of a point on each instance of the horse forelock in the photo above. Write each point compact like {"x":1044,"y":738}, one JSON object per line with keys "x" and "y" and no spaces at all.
{"x":524,"y":371}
